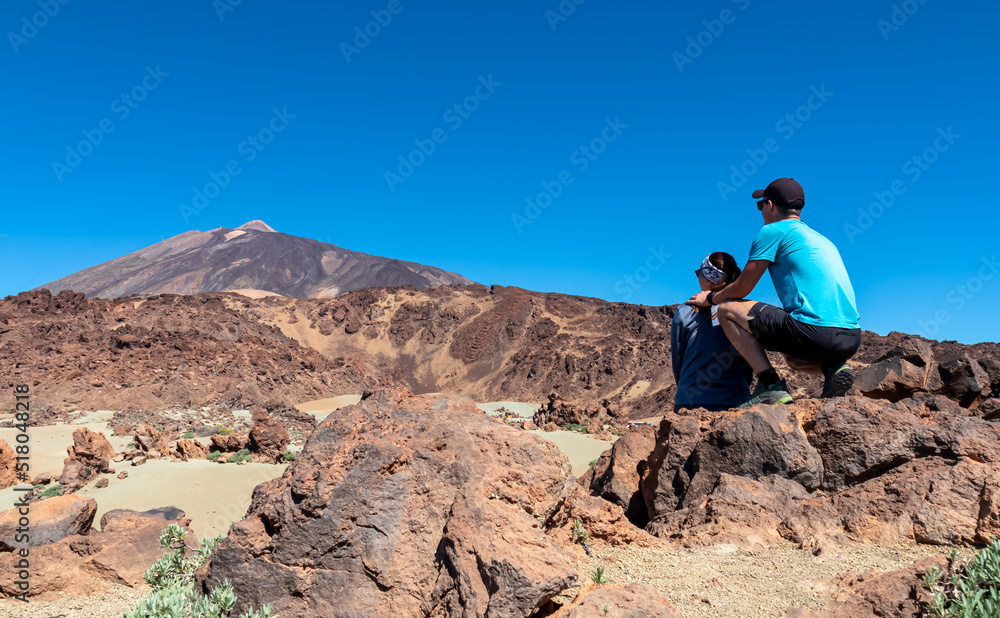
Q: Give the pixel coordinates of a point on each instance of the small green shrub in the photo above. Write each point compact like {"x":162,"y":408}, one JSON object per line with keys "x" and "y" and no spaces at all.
{"x":576,"y":427}
{"x":580,"y":535}
{"x":239,"y":456}
{"x":214,"y":455}
{"x":52,"y":490}
{"x":222,"y":431}
{"x":593,"y":463}
{"x":599,"y":577}
{"x":188,"y":434}
{"x":970,"y":590}
{"x":172,"y":579}
{"x":288,"y":456}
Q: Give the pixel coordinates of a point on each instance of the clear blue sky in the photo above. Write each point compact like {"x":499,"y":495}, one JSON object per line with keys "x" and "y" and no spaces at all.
{"x":183,"y":84}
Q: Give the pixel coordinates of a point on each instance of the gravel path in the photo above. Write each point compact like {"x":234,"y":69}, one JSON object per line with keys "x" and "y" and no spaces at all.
{"x":111,"y":604}
{"x":724,"y":581}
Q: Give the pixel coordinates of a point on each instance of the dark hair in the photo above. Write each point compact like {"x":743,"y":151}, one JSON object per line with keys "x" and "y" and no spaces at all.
{"x":727,"y":264}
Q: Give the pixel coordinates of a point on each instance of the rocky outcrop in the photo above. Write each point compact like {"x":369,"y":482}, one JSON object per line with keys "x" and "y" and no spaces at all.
{"x":150,"y":442}
{"x":79,"y":565}
{"x":420,"y":506}
{"x":619,"y":472}
{"x":229,"y":443}
{"x":563,"y":413}
{"x":190,"y":449}
{"x":268,"y":438}
{"x":901,"y":594}
{"x":8,"y":465}
{"x":52,"y":520}
{"x":922,"y":469}
{"x":916,"y":367}
{"x":89,"y":455}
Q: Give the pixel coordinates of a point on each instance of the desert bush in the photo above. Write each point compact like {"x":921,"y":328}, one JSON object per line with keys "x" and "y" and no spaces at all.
{"x":214,"y":455}
{"x":172,"y":579}
{"x":288,"y":456}
{"x":970,"y":590}
{"x":239,"y":456}
{"x":599,"y":577}
{"x":188,"y":434}
{"x":576,"y":427}
{"x":55,"y":489}
{"x":580,"y":534}
{"x":593,"y":462}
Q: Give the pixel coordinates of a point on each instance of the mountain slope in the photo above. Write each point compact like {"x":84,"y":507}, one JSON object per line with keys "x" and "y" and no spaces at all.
{"x":252,"y":256}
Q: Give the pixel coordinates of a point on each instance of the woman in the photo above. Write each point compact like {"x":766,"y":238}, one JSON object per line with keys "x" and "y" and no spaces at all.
{"x":709,"y":372}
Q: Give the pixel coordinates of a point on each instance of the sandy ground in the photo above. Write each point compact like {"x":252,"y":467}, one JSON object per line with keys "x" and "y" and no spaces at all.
{"x":580,"y":448}
{"x":521,"y":410}
{"x":320,"y":408}
{"x":48,"y":444}
{"x":252,"y":293}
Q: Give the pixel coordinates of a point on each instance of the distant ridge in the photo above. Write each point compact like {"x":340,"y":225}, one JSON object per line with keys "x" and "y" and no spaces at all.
{"x":253,"y":256}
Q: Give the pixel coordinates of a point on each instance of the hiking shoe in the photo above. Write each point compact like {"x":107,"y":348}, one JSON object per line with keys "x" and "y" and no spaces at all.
{"x":839,"y":380}
{"x":774,"y":394}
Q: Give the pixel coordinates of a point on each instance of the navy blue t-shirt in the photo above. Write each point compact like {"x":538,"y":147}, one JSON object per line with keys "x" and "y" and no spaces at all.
{"x":707,"y":368}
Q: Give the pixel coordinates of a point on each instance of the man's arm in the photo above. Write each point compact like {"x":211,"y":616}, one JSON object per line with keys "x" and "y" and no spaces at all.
{"x":740,"y":288}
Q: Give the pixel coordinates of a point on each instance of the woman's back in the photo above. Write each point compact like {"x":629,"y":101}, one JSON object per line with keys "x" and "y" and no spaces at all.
{"x":709,"y":372}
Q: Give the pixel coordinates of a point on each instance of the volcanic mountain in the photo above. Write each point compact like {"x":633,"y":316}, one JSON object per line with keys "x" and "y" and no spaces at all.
{"x":251,"y":257}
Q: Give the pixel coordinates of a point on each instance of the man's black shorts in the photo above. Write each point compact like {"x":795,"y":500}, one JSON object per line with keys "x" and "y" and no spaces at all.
{"x":778,"y":331}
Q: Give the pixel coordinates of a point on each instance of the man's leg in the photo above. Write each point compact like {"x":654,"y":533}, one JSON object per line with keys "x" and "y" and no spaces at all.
{"x":799,"y":364}
{"x":734,"y":317}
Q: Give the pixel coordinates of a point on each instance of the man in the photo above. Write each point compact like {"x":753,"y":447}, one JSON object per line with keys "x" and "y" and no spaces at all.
{"x":817,"y":329}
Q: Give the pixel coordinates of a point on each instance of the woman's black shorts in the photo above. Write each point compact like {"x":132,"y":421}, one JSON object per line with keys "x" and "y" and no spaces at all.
{"x":778,"y":331}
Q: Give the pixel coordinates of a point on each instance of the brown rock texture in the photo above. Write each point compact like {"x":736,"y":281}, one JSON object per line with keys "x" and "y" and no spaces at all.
{"x":419,"y":506}
{"x":230,"y":443}
{"x":632,"y":601}
{"x":52,"y":519}
{"x":268,"y":438}
{"x":8,"y":465}
{"x":494,"y":344}
{"x":901,"y":594}
{"x":89,"y":455}
{"x":191,"y":449}
{"x":618,"y":473}
{"x":922,"y":469}
{"x":127,"y":545}
{"x":151,"y":442}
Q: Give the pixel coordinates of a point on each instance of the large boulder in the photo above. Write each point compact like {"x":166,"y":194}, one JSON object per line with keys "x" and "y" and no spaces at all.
{"x":191,"y":449}
{"x":51,"y":520}
{"x":229,"y":443}
{"x":151,"y":442}
{"x":268,"y":437}
{"x":89,"y":455}
{"x":901,"y":594}
{"x":84,"y":565}
{"x":618,"y":473}
{"x":923,"y":469}
{"x":404,"y":506}
{"x":8,"y":465}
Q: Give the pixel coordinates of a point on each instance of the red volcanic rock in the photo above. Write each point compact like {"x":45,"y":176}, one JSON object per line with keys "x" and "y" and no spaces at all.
{"x":191,"y":449}
{"x":8,"y":465}
{"x":268,"y":437}
{"x":230,"y":443}
{"x":151,"y":442}
{"x":923,"y":469}
{"x":127,"y":545}
{"x":618,"y":473}
{"x":89,"y":456}
{"x":632,"y":601}
{"x":52,"y":519}
{"x":416,"y":505}
{"x":901,"y":594}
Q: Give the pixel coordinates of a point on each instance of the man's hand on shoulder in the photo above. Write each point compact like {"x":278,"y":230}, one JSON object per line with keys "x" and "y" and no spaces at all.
{"x":699,"y":300}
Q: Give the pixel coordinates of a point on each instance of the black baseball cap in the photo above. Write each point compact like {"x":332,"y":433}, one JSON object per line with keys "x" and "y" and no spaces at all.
{"x":783,"y":192}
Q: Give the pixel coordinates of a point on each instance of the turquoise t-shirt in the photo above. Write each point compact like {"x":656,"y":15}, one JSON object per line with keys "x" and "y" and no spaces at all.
{"x":808,"y":274}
